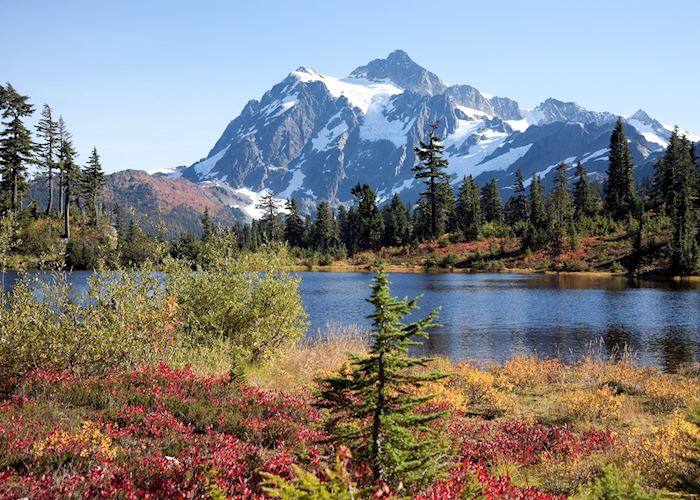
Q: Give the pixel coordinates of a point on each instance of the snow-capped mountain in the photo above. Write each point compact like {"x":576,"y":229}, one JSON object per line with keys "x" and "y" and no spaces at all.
{"x":313,"y":136}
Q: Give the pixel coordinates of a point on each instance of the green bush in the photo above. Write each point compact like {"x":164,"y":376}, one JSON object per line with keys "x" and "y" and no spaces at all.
{"x":127,"y":318}
{"x":120,"y":321}
{"x":616,"y":484}
{"x":38,"y":237}
{"x":256,"y":314}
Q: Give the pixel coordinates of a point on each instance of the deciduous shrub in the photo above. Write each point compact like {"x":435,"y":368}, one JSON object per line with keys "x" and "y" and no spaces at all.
{"x":123,"y":319}
{"x":591,"y":405}
{"x":528,"y":372}
{"x":255,"y":314}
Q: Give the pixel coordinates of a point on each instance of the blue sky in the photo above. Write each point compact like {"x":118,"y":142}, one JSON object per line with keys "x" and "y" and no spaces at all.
{"x":152,"y":84}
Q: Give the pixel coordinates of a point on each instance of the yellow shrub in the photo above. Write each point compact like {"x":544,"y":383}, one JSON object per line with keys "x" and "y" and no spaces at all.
{"x":660,"y":456}
{"x":623,"y":374}
{"x":86,"y":441}
{"x":467,"y":386}
{"x":527,"y":372}
{"x":667,"y":394}
{"x":589,"y":405}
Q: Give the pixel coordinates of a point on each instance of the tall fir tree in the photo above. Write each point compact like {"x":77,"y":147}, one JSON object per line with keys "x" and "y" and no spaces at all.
{"x":118,"y":222}
{"x":431,"y":170}
{"x":16,"y":147}
{"x":47,"y":133}
{"x":92,"y":182}
{"x":207,"y":226}
{"x":584,"y":199}
{"x":560,"y":209}
{"x":468,"y":209}
{"x":63,"y":136}
{"x":397,"y":224}
{"x":685,"y":256}
{"x":369,"y":222}
{"x":326,"y":231}
{"x":662,"y":189}
{"x":347,"y":225}
{"x":491,"y":203}
{"x":70,"y":181}
{"x":516,"y":210}
{"x":270,"y":216}
{"x":371,"y":401}
{"x":293,"y":225}
{"x":620,"y":198}
{"x":535,"y":236}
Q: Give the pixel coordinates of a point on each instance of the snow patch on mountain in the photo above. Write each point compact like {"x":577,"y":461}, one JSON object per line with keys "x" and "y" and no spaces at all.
{"x":376,"y":125}
{"x":203,"y":167}
{"x":251,"y":200}
{"x":595,"y":154}
{"x":278,"y":107}
{"x":648,"y":132}
{"x":295,"y":183}
{"x":328,"y":135}
{"x":543,"y":173}
{"x":358,"y":91}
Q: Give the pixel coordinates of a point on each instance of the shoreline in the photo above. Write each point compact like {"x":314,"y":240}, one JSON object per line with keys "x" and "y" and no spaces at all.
{"x":416,"y":269}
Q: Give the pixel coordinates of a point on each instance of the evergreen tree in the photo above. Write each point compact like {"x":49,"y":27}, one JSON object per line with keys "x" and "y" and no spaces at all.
{"x":118,"y":223}
{"x":92,"y":181}
{"x":635,"y":260}
{"x":431,"y":169}
{"x":269,"y":220}
{"x":371,"y":402}
{"x":535,"y":236}
{"x":133,"y":251}
{"x":491,"y":202}
{"x":397,"y":225}
{"x":326,"y":231}
{"x":662,"y":190}
{"x":70,"y":180}
{"x":16,"y":147}
{"x":186,"y":247}
{"x":516,"y":210}
{"x":620,"y":199}
{"x":368,"y":220}
{"x":47,"y":132}
{"x":347,"y":220}
{"x":584,"y":198}
{"x":560,"y":209}
{"x":468,"y":210}
{"x":685,"y":253}
{"x":293,"y":225}
{"x":207,"y":226}
{"x":63,"y":136}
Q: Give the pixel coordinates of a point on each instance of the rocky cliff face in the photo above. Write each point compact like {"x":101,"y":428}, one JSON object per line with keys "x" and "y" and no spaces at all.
{"x":314,"y":136}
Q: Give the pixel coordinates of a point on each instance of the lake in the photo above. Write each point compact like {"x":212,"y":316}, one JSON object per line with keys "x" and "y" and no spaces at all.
{"x":495,"y":316}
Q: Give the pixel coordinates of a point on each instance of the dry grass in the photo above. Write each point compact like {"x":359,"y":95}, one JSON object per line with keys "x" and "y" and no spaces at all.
{"x":311,"y":359}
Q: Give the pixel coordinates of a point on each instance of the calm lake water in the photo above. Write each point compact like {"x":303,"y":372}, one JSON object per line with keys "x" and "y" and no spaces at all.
{"x":495,"y":316}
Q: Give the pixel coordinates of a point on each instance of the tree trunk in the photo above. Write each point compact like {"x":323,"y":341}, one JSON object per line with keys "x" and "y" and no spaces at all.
{"x":433,"y":208}
{"x":66,"y":213}
{"x":14,"y":191}
{"x":376,"y":420}
{"x":49,"y":205}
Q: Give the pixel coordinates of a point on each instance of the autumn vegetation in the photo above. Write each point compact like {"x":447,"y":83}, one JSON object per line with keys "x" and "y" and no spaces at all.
{"x":198,"y":384}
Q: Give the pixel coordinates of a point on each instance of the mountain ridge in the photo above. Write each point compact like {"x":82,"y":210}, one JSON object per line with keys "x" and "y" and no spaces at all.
{"x":313,"y":136}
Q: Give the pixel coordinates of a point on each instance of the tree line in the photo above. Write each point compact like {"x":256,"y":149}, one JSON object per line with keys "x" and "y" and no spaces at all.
{"x":552,"y":221}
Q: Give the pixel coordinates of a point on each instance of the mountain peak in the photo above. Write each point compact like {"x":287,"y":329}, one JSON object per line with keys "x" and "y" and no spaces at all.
{"x":403,"y":71}
{"x":554,"y":110}
{"x":642,"y":116}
